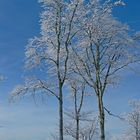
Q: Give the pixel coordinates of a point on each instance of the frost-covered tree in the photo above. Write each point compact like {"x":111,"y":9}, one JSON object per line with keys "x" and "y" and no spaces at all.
{"x":80,"y":36}
{"x":133,"y":119}
{"x":105,"y":48}
{"x":80,"y":125}
{"x":50,"y":51}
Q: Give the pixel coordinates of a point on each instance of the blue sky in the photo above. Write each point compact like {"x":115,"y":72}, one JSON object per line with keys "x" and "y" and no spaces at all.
{"x":19,"y":21}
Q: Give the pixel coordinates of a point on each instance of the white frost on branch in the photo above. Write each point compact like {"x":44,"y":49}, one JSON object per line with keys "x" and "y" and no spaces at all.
{"x":120,"y":2}
{"x":31,"y":87}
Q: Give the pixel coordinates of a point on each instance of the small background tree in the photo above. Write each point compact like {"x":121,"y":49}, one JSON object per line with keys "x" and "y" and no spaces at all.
{"x":79,"y":124}
{"x":133,"y":119}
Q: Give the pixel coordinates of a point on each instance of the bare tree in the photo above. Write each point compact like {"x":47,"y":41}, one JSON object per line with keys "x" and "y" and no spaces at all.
{"x":80,"y":125}
{"x":133,"y":119}
{"x":105,"y":49}
{"x":50,"y":51}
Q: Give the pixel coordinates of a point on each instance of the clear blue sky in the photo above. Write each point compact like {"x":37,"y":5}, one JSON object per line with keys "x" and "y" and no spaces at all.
{"x":19,"y":21}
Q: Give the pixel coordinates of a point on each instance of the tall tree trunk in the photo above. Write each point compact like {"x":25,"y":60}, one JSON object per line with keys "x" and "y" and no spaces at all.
{"x":60,"y":114}
{"x":137,"y":134}
{"x":77,"y":127}
{"x":101,"y":118}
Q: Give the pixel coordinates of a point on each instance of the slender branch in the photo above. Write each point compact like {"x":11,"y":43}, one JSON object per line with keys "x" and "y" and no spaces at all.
{"x":114,"y":115}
